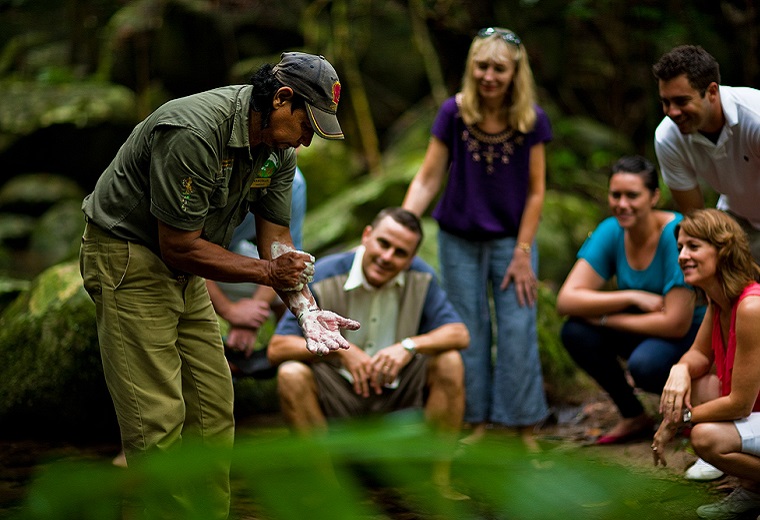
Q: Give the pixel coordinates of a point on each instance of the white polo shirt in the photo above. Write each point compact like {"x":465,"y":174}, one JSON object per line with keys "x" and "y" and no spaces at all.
{"x":731,"y":166}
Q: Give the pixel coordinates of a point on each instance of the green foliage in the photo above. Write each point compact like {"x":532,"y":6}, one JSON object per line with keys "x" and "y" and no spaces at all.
{"x":28,"y":106}
{"x":566,"y":221}
{"x":32,"y":193}
{"x":371,"y":469}
{"x":51,"y":375}
{"x":563,"y":381}
{"x":10,"y":288}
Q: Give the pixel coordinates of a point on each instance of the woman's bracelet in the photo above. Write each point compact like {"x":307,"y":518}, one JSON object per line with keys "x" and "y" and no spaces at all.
{"x":524,"y":247}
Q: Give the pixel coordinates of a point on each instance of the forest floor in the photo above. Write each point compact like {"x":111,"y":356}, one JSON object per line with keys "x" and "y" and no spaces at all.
{"x":20,"y":460}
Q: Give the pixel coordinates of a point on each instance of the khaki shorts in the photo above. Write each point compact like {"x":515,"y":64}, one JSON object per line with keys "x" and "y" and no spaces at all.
{"x":339,"y":400}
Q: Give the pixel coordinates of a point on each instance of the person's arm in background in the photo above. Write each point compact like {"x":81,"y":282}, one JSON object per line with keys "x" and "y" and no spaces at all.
{"x":429,"y":179}
{"x":582,"y":295}
{"x":688,"y":200}
{"x":245,"y":316}
{"x":519,"y":270}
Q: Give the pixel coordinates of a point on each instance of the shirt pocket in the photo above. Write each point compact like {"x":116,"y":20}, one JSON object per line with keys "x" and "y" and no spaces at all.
{"x":220,"y":191}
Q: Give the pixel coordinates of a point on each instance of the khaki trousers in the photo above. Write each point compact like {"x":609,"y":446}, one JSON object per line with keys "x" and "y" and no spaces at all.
{"x":162,"y":355}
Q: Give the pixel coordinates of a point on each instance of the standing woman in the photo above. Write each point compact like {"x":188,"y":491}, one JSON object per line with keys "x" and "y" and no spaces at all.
{"x":488,"y":145}
{"x":649,"y":318}
{"x":724,"y":406}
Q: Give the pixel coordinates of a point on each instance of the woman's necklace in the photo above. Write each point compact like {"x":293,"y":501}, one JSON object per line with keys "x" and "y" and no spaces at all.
{"x":491,"y":148}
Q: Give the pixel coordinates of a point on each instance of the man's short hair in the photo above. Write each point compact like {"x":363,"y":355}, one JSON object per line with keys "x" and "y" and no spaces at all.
{"x":406,"y":218}
{"x":700,"y":67}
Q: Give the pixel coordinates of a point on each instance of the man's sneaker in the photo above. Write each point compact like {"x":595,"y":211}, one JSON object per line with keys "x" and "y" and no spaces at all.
{"x":702,"y":470}
{"x":734,"y":506}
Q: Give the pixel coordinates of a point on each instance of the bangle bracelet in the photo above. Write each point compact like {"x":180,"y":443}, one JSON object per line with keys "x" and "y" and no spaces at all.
{"x":603,"y":320}
{"x":524,"y":247}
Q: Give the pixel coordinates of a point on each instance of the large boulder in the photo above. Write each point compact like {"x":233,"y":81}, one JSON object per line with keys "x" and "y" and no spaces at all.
{"x":34,"y":193}
{"x":57,"y":234}
{"x":51,"y":378}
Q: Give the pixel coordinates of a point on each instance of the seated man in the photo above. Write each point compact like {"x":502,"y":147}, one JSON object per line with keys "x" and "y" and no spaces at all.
{"x":408,"y":342}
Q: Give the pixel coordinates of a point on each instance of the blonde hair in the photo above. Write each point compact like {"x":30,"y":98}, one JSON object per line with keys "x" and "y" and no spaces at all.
{"x":519,"y":103}
{"x":735,"y":268}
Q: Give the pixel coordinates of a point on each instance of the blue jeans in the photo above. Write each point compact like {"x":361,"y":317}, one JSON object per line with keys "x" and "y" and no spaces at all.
{"x":597,"y":351}
{"x":507,"y":388}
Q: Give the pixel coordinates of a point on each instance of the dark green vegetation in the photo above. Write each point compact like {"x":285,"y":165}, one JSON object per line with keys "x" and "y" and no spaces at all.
{"x":76,"y":75}
{"x":373,"y":470}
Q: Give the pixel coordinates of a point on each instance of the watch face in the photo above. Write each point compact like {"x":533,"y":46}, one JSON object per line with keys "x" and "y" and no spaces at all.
{"x":408,"y":344}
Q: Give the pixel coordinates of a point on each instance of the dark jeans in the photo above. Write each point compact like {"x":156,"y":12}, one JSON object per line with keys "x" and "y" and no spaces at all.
{"x":597,"y":351}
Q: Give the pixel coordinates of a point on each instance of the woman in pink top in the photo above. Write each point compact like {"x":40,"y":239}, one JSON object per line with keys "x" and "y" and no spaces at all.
{"x":724,"y":406}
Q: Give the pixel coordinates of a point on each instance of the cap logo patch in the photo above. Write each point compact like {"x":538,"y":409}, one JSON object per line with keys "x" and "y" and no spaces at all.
{"x":336,"y":94}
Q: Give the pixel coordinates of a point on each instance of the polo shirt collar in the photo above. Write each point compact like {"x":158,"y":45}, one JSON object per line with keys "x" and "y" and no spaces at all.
{"x":730,"y":110}
{"x":356,"y":277}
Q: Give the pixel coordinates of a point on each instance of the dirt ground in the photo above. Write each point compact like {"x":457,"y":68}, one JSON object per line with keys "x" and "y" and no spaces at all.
{"x":579,"y":425}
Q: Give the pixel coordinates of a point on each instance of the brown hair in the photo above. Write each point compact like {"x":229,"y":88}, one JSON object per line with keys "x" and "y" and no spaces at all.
{"x":700,"y":67}
{"x":404,"y":217}
{"x":735,"y":267}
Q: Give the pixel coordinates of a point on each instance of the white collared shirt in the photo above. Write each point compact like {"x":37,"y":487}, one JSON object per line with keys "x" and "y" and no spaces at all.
{"x":376,"y":308}
{"x":731,"y":166}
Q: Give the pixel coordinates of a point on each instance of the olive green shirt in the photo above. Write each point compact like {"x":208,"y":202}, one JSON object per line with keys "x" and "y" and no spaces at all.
{"x":190,"y":166}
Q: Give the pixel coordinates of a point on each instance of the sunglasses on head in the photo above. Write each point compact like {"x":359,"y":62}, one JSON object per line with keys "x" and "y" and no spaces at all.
{"x":507,"y":36}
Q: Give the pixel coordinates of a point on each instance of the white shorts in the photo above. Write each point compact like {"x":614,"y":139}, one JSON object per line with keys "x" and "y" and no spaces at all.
{"x":749,"y":431}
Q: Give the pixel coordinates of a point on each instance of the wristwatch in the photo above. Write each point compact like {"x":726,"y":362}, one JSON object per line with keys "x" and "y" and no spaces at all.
{"x":409,"y":345}
{"x":687,"y":417}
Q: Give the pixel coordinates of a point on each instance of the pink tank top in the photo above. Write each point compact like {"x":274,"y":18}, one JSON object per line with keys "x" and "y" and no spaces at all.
{"x":724,"y":357}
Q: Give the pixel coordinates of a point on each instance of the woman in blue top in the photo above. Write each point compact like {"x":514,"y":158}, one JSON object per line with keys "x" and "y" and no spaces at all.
{"x":650,"y":319}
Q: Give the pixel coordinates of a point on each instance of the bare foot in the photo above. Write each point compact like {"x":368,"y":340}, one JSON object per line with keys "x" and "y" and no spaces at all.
{"x":529,"y":439}
{"x":120,"y":460}
{"x":477,"y":434}
{"x":441,"y":481}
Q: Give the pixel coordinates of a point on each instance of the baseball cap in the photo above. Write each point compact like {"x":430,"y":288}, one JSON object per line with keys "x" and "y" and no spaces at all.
{"x":313,"y":78}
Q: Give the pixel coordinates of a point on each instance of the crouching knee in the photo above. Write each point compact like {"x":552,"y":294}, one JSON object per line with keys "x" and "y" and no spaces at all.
{"x":707,"y":439}
{"x":447,"y":370}
{"x":294,"y":379}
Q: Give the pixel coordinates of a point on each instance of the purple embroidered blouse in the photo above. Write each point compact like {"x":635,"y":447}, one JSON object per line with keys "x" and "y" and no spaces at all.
{"x":488,"y":181}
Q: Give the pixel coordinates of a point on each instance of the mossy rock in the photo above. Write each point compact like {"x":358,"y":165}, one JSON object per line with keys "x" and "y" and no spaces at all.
{"x":57,"y":234}
{"x":564,"y":382}
{"x":10,"y":288}
{"x":15,"y":229}
{"x":34,"y":193}
{"x":51,"y":378}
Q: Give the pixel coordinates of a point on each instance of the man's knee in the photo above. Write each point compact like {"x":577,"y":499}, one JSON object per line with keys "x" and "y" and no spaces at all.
{"x":294,"y":378}
{"x":447,"y":369}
